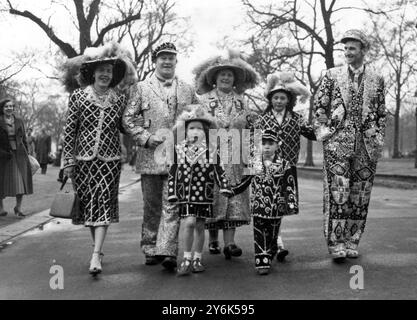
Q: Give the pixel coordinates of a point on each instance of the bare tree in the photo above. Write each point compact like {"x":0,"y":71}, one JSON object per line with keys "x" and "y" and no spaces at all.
{"x":395,"y":39}
{"x":87,"y":20}
{"x":159,"y":23}
{"x":9,"y":68}
{"x":142,"y":24}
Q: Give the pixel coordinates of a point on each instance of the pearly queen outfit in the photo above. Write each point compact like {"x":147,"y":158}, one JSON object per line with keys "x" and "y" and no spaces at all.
{"x":92,"y":145}
{"x":231,"y":113}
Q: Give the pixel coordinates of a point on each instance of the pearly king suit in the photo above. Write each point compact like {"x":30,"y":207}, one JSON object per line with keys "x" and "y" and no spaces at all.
{"x":351,"y":148}
{"x":159,"y":103}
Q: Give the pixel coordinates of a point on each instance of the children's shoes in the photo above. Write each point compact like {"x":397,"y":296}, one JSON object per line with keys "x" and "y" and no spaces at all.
{"x":185,"y":267}
{"x":197,"y":266}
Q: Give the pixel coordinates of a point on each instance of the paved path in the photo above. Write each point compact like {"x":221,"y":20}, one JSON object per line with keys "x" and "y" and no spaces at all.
{"x":389,"y":256}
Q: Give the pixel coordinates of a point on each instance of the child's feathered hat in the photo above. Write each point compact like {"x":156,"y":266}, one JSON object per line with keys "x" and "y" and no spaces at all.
{"x":285,"y":81}
{"x":196,"y":112}
{"x":205,"y":73}
{"x":78,"y":71}
{"x":193,"y":112}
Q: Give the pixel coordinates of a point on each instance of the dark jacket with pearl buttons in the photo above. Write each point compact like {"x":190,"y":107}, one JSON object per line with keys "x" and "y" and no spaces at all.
{"x":191,"y":180}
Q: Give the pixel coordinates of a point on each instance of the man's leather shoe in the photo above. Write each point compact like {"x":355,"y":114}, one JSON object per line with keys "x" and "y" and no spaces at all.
{"x":169,"y":263}
{"x":152,"y":260}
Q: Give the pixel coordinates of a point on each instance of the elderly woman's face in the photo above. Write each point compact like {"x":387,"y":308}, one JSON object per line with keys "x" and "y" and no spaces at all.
{"x":8,"y":108}
{"x":103,"y":74}
{"x":225,"y":79}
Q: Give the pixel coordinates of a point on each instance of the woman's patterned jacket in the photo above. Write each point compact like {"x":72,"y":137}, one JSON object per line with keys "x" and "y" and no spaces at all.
{"x":335,"y":97}
{"x":288,"y":133}
{"x":273,"y":190}
{"x":147,"y":99}
{"x":92,"y":128}
{"x":191,"y":180}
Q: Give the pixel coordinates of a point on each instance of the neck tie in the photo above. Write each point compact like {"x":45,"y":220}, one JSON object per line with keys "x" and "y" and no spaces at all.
{"x":356,"y":74}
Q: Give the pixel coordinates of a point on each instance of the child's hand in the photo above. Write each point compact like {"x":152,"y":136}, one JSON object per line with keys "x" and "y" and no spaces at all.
{"x":227,"y":193}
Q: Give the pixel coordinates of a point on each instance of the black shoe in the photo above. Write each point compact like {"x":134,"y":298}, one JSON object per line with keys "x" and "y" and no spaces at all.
{"x":152,"y":260}
{"x":232,"y":250}
{"x":169,"y":263}
{"x":282,"y":253}
{"x":236,"y":251}
{"x":214,"y":247}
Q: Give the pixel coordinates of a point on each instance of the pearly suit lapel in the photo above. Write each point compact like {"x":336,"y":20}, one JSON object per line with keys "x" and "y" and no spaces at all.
{"x":342,"y":78}
{"x":370,"y":81}
{"x":154,"y":85}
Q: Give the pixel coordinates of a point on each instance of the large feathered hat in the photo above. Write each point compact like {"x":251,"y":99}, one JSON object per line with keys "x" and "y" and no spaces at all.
{"x":285,"y":81}
{"x":78,"y":71}
{"x":245,"y":75}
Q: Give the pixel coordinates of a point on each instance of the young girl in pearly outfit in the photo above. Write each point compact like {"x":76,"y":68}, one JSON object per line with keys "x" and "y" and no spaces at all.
{"x":191,"y":180}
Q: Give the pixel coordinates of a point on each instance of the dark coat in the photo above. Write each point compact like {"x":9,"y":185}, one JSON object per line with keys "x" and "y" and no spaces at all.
{"x":274,"y":190}
{"x":43,"y":148}
{"x":192,"y":182}
{"x":21,"y":153}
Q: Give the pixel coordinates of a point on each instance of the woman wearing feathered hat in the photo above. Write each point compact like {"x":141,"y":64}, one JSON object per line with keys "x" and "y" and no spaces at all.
{"x":282,"y":90}
{"x":92,"y":148}
{"x":221,"y":82}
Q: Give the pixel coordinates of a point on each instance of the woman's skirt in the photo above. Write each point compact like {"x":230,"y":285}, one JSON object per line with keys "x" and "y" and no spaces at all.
{"x":230,"y":213}
{"x":97,"y":185}
{"x":14,"y":182}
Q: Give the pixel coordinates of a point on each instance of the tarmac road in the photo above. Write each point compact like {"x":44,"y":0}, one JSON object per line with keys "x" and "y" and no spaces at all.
{"x":388,"y":259}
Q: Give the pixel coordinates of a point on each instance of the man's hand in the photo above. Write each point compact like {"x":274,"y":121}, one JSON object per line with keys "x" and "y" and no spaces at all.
{"x":140,"y":121}
{"x":69,"y":172}
{"x":370,"y":132}
{"x":154,"y":141}
{"x":322,"y":118}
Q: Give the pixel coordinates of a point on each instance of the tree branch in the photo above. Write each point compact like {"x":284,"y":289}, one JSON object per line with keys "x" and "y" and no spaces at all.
{"x":64,"y":46}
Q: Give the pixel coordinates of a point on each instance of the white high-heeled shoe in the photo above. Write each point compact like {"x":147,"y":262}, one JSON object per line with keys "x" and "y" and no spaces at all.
{"x":95,"y":264}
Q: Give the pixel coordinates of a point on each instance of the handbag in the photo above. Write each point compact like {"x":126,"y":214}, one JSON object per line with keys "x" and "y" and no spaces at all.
{"x":66,"y":203}
{"x":34,"y":164}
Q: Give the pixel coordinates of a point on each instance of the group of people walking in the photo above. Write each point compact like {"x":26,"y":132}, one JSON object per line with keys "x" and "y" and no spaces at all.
{"x":195,"y":183}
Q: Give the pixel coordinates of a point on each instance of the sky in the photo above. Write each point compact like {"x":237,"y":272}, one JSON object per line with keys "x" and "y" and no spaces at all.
{"x":211,"y":20}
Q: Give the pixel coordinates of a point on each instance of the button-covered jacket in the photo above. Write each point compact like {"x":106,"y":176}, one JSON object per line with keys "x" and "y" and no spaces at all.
{"x":149,"y":100}
{"x":273,"y":190}
{"x":288,"y":133}
{"x":93,"y":128}
{"x":191,"y":179}
{"x":337,"y":98}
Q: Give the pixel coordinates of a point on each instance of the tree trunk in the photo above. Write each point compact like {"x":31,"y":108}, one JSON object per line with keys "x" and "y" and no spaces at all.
{"x":309,"y":156}
{"x":397,"y":153}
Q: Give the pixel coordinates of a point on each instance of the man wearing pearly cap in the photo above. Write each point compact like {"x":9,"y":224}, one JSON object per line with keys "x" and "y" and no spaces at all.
{"x":158,"y":99}
{"x":350,"y":120}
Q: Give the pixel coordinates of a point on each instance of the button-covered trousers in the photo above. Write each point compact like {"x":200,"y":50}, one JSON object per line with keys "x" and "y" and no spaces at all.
{"x":265,"y":232}
{"x":161,"y":221}
{"x":348,"y":182}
